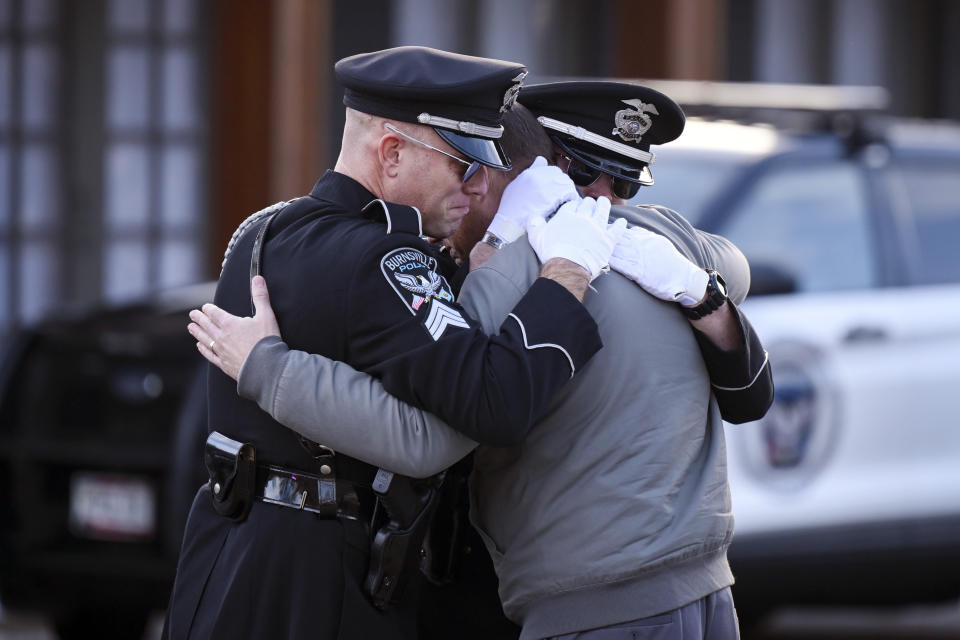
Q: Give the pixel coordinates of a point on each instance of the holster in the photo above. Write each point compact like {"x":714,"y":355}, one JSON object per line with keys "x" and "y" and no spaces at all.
{"x":395,"y":550}
{"x":442,"y":547}
{"x":232,"y":467}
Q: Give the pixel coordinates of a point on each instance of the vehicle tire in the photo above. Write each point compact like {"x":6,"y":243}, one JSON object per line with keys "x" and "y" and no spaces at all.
{"x":124,"y":624}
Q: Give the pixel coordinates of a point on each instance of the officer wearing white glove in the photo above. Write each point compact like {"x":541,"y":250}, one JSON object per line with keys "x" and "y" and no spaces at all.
{"x":654,"y":263}
{"x":537,"y":191}
{"x":578,"y":232}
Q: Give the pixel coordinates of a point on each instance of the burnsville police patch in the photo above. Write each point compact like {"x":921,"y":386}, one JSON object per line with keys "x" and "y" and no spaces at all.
{"x":413,"y":275}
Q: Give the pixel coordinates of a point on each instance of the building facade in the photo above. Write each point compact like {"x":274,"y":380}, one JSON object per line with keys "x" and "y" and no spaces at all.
{"x":136,"y":134}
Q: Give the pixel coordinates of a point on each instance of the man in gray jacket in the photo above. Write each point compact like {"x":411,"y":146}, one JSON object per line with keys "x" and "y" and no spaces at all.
{"x":615,"y":511}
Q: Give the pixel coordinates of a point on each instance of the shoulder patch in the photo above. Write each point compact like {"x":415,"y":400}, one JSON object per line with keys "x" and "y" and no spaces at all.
{"x":413,"y":276}
{"x":442,"y":316}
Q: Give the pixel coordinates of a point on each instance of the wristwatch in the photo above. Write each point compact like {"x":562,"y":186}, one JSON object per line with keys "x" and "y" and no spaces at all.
{"x":715,"y":296}
{"x":493,"y":240}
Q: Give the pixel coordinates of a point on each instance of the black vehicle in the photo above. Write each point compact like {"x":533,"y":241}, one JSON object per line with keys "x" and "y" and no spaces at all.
{"x":102,"y":420}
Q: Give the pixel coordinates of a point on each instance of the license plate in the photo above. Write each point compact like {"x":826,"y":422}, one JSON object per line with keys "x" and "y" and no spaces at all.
{"x":106,"y":506}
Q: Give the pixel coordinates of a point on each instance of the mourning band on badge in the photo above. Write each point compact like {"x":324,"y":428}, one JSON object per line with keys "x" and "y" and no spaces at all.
{"x":413,"y":276}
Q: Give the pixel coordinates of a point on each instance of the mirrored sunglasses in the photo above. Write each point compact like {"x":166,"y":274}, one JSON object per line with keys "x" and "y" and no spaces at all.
{"x":469,"y":172}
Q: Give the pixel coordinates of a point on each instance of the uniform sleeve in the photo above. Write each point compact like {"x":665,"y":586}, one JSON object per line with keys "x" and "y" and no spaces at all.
{"x":406,"y":329}
{"x":742,"y":380}
{"x":330,"y":402}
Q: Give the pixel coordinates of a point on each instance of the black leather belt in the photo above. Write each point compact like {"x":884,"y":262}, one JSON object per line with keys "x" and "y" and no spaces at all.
{"x":325,"y":495}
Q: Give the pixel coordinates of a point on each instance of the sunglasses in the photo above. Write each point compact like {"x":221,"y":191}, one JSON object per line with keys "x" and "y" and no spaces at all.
{"x":583,"y":175}
{"x":584,"y":169}
{"x":469,"y":172}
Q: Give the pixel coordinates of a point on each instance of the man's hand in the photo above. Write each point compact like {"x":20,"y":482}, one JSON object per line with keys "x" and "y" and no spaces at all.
{"x":537,"y":191}
{"x":578,"y":232}
{"x":654,"y":263}
{"x":225,"y":339}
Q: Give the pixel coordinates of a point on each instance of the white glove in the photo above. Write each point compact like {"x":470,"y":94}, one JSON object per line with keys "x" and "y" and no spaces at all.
{"x":652,"y":261}
{"x":537,"y":191}
{"x":578,"y":232}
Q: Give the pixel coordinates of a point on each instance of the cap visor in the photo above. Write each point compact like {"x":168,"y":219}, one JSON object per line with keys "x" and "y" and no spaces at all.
{"x":646,"y":177}
{"x":638,"y":174}
{"x":483,"y":150}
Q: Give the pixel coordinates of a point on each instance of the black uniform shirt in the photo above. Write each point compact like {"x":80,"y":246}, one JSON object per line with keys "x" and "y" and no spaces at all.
{"x":358,"y":284}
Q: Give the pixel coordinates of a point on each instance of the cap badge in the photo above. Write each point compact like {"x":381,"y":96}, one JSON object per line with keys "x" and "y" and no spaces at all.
{"x":631,"y":124}
{"x":511,"y":95}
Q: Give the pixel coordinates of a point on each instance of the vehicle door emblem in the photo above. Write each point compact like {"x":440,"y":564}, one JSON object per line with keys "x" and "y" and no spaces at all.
{"x":796,"y":439}
{"x":788,"y":425}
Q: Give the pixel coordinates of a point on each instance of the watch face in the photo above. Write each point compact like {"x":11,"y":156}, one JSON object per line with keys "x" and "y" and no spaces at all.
{"x":716,"y":284}
{"x":721,"y":285}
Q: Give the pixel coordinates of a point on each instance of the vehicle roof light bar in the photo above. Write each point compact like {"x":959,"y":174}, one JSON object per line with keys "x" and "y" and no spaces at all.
{"x":755,"y":95}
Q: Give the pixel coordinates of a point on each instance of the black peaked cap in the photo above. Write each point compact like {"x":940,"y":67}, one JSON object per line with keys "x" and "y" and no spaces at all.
{"x":462,"y":97}
{"x":619,"y":113}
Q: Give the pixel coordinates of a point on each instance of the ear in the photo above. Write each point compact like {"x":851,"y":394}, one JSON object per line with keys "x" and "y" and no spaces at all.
{"x":388,"y":152}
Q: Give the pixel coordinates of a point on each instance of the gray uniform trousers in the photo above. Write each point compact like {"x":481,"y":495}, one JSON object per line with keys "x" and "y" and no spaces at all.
{"x":709,"y":618}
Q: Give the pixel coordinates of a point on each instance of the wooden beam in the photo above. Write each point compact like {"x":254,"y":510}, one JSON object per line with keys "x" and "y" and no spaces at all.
{"x":694,"y":40}
{"x":240,"y":107}
{"x":271,"y":68}
{"x":674,"y":39}
{"x":299,"y":111}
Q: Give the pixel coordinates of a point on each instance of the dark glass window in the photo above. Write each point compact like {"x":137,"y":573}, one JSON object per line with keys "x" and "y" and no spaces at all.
{"x":102,"y":179}
{"x":933,"y":198}
{"x":31,"y":197}
{"x":154,"y":191}
{"x":812,"y":221}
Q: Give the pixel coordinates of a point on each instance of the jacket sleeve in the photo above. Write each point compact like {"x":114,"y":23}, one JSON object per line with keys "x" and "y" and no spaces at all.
{"x":406,"y":330}
{"x":331,"y":402}
{"x":491,"y":291}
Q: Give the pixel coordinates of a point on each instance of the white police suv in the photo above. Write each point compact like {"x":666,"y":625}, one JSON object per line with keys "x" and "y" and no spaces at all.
{"x":848,"y":491}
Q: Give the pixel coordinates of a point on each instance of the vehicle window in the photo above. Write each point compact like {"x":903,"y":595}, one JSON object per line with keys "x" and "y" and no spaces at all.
{"x":811,"y":221}
{"x":933,"y":191}
{"x":686,"y":182}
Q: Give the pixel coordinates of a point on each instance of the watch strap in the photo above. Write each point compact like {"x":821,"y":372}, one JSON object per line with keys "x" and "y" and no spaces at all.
{"x":715,"y":296}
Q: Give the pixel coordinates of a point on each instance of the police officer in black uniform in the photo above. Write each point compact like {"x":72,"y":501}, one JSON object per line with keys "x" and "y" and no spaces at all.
{"x":278,"y":544}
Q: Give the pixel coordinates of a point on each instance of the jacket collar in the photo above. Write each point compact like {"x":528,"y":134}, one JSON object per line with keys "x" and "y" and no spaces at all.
{"x":343,"y":190}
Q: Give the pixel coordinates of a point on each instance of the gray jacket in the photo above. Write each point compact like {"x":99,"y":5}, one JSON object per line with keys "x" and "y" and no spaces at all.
{"x":616,"y":506}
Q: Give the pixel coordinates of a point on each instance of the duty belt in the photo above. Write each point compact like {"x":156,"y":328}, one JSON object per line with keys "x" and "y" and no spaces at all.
{"x":344,"y":489}
{"x":325,"y":495}
{"x":237,"y":478}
